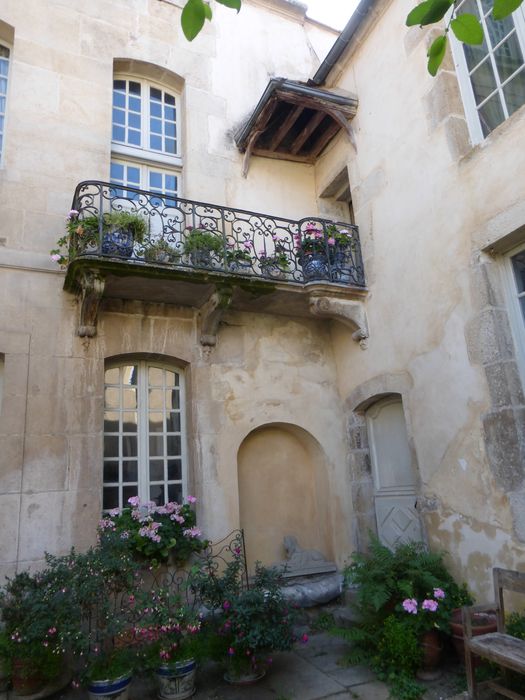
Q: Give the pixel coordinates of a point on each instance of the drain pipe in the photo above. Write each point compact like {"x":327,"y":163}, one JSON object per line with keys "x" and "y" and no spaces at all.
{"x":341,"y":42}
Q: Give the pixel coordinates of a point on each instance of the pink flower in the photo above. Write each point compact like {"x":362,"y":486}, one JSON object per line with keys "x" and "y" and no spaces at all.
{"x":192,"y":499}
{"x":439,"y":593}
{"x":72,"y":214}
{"x":331,"y":241}
{"x":226,"y":605}
{"x":231,"y":651}
{"x":410,"y":605}
{"x":304,"y":638}
{"x":56,"y":257}
{"x":192,"y":532}
{"x":431,"y":605}
{"x":134,"y":501}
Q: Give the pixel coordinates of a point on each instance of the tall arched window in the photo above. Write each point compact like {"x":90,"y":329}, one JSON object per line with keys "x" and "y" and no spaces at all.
{"x":144,"y":434}
{"x":145,"y":140}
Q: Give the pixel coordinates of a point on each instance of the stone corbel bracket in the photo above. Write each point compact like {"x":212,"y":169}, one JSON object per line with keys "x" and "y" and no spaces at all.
{"x":92,"y":288}
{"x":351,"y":313}
{"x":211,"y":315}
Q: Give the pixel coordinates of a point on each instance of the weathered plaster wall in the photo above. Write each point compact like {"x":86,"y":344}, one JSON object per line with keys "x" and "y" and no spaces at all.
{"x":435,"y":309}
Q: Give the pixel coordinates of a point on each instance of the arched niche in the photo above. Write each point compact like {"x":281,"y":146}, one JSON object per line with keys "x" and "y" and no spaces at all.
{"x":283,"y":490}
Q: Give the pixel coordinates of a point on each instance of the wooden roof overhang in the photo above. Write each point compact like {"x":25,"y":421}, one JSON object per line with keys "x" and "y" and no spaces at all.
{"x":294,"y":121}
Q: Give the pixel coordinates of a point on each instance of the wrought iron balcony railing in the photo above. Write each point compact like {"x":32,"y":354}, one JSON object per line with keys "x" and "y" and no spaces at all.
{"x":149,"y":228}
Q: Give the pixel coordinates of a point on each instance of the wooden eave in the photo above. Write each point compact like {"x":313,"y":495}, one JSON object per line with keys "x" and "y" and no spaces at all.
{"x":295,"y":122}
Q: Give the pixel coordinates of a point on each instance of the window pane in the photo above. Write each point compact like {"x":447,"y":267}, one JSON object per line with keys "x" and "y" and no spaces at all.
{"x":129,"y":422}
{"x":155,"y":180}
{"x":491,"y":114}
{"x":169,"y":113}
{"x":156,"y":470}
{"x":499,"y":29}
{"x":169,"y":146}
{"x":173,"y":443}
{"x":111,"y":472}
{"x":155,"y":94}
{"x":155,"y":142}
{"x":129,"y":446}
{"x":173,"y":399}
{"x":134,"y":88}
{"x":483,"y":81}
{"x":119,"y":116}
{"x":156,"y":422}
{"x":129,"y":398}
{"x":156,"y":126}
{"x":518,"y":265}
{"x":155,"y":376}
{"x":119,"y":133}
{"x":172,"y":378}
{"x":127,"y":493}
{"x":110,"y":497}
{"x":169,"y":99}
{"x":129,"y":372}
{"x":156,"y":398}
{"x":173,"y":422}
{"x":133,"y":137}
{"x":119,"y":99}
{"x":175,"y":493}
{"x":130,"y":470}
{"x":156,"y":493}
{"x":117,"y":175}
{"x":174,"y":470}
{"x":156,"y":445}
{"x":514,"y":92}
{"x":119,"y":85}
{"x":134,"y":120}
{"x":111,"y":422}
{"x":508,"y":57}
{"x":155,"y":109}
{"x":112,"y":398}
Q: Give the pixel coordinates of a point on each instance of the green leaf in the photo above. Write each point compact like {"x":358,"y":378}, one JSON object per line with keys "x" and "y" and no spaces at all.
{"x":234,"y":4}
{"x":436,"y":53}
{"x":428,"y":12}
{"x":192,"y":18}
{"x":467,"y":28}
{"x":503,"y":8}
{"x":207,"y":11}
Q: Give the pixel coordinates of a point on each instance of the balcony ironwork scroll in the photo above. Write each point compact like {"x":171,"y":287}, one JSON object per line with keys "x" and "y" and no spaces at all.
{"x":185,"y":234}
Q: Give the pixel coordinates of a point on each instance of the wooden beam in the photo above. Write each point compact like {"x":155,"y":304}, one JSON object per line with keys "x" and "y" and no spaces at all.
{"x":324,"y":138}
{"x":308,"y":130}
{"x":343,"y":122}
{"x":316,"y":103}
{"x":282,"y":155}
{"x":285,"y":127}
{"x":259,"y":128}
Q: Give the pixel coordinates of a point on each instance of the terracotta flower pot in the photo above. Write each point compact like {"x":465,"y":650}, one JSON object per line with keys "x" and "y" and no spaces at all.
{"x":25,"y":678}
{"x":430,"y":664}
{"x":482,"y":623}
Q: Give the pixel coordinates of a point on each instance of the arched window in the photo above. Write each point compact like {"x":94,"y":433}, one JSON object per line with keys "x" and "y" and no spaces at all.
{"x":144,"y":434}
{"x":145,"y":140}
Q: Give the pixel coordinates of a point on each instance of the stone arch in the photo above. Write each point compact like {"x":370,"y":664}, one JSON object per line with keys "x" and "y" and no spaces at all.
{"x":7,"y":33}
{"x":149,"y":71}
{"x":283,"y":490}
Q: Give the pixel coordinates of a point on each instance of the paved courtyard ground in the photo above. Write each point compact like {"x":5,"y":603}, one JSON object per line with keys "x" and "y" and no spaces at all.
{"x":311,"y":672}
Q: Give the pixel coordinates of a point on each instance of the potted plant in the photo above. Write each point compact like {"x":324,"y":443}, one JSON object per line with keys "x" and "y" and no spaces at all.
{"x":274,"y":265}
{"x":154,"y":533}
{"x":249,"y":624}
{"x":313,"y":248}
{"x":160,"y":252}
{"x":201,"y":244}
{"x":35,"y":617}
{"x":5,"y":665}
{"x":168,"y":634}
{"x":120,"y":230}
{"x":239,"y":258}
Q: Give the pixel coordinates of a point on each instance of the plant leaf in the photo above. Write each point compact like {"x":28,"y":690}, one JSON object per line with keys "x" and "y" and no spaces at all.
{"x":207,"y":11}
{"x":436,"y":53}
{"x":192,"y":18}
{"x":428,"y":12}
{"x":234,"y":4}
{"x":503,"y":8}
{"x":467,"y":28}
{"x":417,"y":15}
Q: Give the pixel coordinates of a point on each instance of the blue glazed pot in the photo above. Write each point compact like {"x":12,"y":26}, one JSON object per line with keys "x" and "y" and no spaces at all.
{"x":116,"y":689}
{"x":176,"y":681}
{"x":315,"y":266}
{"x":117,"y":242}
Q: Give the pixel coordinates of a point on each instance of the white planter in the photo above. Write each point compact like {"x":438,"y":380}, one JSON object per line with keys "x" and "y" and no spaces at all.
{"x":176,"y":681}
{"x":117,"y":689}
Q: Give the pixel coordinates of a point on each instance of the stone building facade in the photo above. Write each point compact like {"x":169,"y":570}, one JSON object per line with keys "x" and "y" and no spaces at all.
{"x":319,"y":408}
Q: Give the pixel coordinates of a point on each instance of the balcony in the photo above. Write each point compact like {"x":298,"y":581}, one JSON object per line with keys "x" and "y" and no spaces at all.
{"x":127,"y":243}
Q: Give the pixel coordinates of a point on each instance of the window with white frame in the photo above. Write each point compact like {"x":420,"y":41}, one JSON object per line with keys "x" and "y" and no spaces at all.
{"x":145,"y":139}
{"x":515,"y":275}
{"x":491,"y":75}
{"x":144,"y":434}
{"x":4,"y":73}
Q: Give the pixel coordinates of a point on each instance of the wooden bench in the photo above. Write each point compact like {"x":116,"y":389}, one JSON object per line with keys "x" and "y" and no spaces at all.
{"x":498,"y":647}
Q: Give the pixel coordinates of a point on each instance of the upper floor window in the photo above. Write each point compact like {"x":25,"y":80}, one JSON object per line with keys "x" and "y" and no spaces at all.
{"x":144,"y":434}
{"x":4,"y":72}
{"x":145,"y":139}
{"x":491,"y":75}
